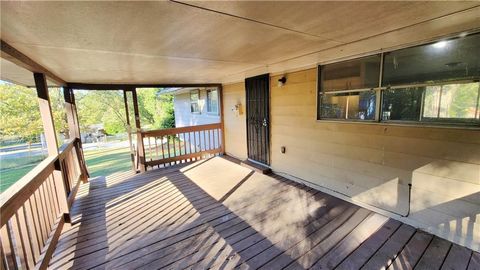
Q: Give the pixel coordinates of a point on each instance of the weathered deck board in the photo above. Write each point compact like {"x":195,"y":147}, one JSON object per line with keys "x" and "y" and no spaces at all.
{"x":215,"y":214}
{"x":457,"y":258}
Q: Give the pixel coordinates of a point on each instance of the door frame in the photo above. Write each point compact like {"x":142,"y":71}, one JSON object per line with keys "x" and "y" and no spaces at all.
{"x":268,"y":115}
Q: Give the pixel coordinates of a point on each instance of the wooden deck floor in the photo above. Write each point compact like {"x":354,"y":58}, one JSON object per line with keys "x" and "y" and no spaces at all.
{"x":215,"y":214}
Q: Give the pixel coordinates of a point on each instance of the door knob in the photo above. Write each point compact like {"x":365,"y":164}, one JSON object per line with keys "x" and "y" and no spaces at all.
{"x":264,"y":122}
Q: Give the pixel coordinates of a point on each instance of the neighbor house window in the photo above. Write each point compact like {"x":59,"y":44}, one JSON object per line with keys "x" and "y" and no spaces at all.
{"x":432,"y":83}
{"x":194,"y":98}
{"x":212,"y":101}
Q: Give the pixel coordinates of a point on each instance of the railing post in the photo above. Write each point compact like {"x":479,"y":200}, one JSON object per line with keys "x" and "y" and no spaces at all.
{"x":51,"y":138}
{"x":129,"y":130}
{"x":46,"y":113}
{"x":222,"y":121}
{"x":140,"y":146}
{"x":74,"y":130}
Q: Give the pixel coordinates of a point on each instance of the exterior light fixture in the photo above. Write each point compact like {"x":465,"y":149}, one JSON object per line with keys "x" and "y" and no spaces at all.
{"x":282,"y":81}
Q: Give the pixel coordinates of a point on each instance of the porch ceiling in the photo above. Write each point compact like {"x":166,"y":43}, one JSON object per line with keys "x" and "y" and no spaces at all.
{"x":203,"y":42}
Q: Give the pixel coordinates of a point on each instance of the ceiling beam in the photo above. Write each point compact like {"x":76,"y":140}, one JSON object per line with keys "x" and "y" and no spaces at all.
{"x":11,"y":54}
{"x":94,"y":86}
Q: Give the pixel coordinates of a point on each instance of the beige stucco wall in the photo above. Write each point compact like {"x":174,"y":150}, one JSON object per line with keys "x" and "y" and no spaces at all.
{"x":372,"y":164}
{"x":234,"y":120}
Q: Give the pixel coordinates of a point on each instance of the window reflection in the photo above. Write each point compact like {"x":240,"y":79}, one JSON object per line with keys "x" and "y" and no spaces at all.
{"x":438,"y":102}
{"x":353,"y":105}
{"x":402,"y":104}
{"x":445,"y":60}
{"x":349,"y":75}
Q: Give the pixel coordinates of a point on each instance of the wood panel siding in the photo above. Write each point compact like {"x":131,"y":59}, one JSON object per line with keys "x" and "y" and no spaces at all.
{"x":372,"y":164}
{"x":195,"y":216}
{"x":234,"y":120}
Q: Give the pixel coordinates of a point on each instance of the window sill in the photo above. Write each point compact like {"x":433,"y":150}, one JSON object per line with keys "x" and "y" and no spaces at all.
{"x":403,"y":124}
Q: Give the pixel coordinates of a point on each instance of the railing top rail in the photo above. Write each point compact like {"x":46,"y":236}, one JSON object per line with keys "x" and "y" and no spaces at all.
{"x":171,"y":131}
{"x":14,"y":197}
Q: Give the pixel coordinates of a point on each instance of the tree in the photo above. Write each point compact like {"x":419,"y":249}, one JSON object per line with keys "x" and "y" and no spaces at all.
{"x":101,"y":107}
{"x":156,"y":109}
{"x":20,"y":114}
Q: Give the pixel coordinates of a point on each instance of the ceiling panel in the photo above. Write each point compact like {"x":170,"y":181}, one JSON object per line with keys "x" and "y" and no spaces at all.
{"x":343,"y":21}
{"x":13,"y":73}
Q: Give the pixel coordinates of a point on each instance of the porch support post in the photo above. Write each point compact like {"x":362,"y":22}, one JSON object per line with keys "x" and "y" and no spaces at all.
{"x":51,"y":139}
{"x":129,"y":130}
{"x":140,"y":146}
{"x":222,"y":121}
{"x":74,"y":130}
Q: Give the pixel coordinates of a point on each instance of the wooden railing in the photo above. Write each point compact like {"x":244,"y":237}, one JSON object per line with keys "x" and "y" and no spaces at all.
{"x":167,"y":147}
{"x":35,"y":208}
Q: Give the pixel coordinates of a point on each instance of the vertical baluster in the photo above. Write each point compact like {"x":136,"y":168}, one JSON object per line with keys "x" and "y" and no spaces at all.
{"x":168,"y":148}
{"x":37,"y":208}
{"x":71,"y":170}
{"x":156,"y":149}
{"x":48,"y":208}
{"x":204,"y":142}
{"x":75,"y":163}
{"x":49,"y":200}
{"x":211,"y":135}
{"x":34,"y":228}
{"x":194,"y":141}
{"x":7,"y":246}
{"x":52,"y":196}
{"x":179,"y":146}
{"x":163,"y":150}
{"x":189,"y":143}
{"x":44,"y":211}
{"x":150,"y":153}
{"x":185,"y":143}
{"x":25,"y":237}
{"x":19,"y":245}
{"x":3,"y":262}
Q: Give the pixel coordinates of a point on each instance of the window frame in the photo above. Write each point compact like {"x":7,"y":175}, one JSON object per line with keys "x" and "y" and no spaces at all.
{"x":208,"y":103}
{"x":447,"y":122}
{"x":321,"y":93}
{"x":196,"y":91}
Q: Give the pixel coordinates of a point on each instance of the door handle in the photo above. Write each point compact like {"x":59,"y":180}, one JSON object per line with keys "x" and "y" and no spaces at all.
{"x":264,"y":122}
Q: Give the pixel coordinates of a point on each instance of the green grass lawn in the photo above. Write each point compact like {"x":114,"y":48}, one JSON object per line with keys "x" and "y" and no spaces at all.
{"x":99,"y":162}
{"x":107,"y":161}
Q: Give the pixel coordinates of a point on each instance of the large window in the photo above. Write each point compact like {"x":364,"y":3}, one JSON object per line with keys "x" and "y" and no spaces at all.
{"x":347,"y":89}
{"x":194,"y":98}
{"x":432,"y":83}
{"x":212,"y":101}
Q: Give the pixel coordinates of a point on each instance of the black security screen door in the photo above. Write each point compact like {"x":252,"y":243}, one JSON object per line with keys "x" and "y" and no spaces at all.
{"x":258,"y":118}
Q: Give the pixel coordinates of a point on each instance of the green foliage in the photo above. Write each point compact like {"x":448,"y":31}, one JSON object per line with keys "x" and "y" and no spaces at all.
{"x":156,"y":110}
{"x":20,"y":114}
{"x":101,"y":107}
{"x":464,"y":101}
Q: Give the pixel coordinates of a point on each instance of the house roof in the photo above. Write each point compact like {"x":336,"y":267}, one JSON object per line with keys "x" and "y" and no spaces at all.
{"x":168,"y":42}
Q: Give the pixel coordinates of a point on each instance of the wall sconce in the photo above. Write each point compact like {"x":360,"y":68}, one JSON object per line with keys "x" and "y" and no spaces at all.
{"x":282,"y":81}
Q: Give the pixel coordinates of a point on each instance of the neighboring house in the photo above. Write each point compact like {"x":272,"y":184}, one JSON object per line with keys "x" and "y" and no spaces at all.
{"x":194,"y":107}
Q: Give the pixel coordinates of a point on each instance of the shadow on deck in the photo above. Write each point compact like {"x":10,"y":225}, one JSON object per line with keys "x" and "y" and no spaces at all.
{"x":216,"y":214}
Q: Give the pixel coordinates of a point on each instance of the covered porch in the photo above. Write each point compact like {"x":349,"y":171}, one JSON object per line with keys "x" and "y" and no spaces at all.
{"x":194,"y":216}
{"x":349,"y":189}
